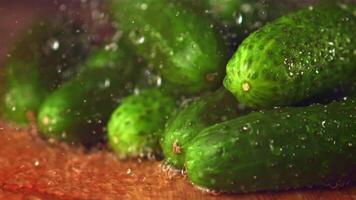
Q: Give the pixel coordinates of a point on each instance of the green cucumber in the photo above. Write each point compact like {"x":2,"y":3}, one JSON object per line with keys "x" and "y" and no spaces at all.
{"x":179,"y":44}
{"x":79,"y":109}
{"x":136,"y":126}
{"x":281,"y":149}
{"x":191,"y":119}
{"x":294,"y":58}
{"x":41,"y":60}
{"x":236,"y":19}
{"x":246,"y":14}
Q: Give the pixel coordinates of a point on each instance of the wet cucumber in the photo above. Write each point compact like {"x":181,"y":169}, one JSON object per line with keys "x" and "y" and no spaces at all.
{"x":136,"y":126}
{"x":248,"y":15}
{"x":295,"y":57}
{"x":284,"y":148}
{"x":80,"y":108}
{"x":41,"y":60}
{"x":179,"y":44}
{"x":191,"y":119}
{"x":236,"y":19}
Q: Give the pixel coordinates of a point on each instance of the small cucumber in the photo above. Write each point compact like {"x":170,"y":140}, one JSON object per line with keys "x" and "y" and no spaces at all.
{"x":136,"y":126}
{"x":80,"y":108}
{"x":295,"y":57}
{"x":41,"y":60}
{"x":284,"y":148}
{"x":191,"y":119}
{"x":179,"y":44}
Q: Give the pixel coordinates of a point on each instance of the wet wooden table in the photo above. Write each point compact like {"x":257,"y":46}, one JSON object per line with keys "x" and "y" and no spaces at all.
{"x":31,"y":168}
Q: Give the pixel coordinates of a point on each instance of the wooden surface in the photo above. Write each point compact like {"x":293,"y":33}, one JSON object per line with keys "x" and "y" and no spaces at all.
{"x":31,"y":168}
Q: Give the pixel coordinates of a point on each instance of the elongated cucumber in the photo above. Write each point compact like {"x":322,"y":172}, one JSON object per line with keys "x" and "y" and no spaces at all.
{"x":181,"y":45}
{"x":44,"y":57}
{"x":295,"y":57}
{"x":247,"y":15}
{"x":284,"y":148}
{"x":136,"y":126}
{"x":79,"y":109}
{"x":191,"y":119}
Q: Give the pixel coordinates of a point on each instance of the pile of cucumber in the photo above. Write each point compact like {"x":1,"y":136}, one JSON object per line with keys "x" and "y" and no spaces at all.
{"x":284,"y":116}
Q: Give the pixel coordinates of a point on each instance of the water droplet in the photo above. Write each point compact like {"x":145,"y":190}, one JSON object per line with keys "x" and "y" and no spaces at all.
{"x":55,"y":45}
{"x":107,"y":83}
{"x":159,"y":81}
{"x":144,"y":6}
{"x":239,"y":19}
{"x":141,"y":40}
{"x":245,"y":128}
{"x":246,"y":86}
{"x":63,"y":7}
{"x":302,"y":137}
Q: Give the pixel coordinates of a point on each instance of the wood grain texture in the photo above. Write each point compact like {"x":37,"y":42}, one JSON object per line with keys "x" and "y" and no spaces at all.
{"x":32,"y":169}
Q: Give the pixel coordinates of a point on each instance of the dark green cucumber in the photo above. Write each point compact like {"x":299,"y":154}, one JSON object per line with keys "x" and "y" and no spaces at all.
{"x":248,"y":15}
{"x":42,"y":59}
{"x":295,"y":57}
{"x":191,"y":119}
{"x":136,"y":126}
{"x":80,"y":108}
{"x":236,"y":19}
{"x":178,"y":43}
{"x":284,"y":148}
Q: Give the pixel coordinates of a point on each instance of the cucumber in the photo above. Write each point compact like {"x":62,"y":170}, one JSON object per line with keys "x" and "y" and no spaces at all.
{"x":42,"y":59}
{"x":236,"y":19}
{"x":78,"y":111}
{"x":136,"y":126}
{"x":281,"y":149}
{"x":295,"y":57}
{"x":191,"y":119}
{"x":179,"y":44}
{"x":248,"y":15}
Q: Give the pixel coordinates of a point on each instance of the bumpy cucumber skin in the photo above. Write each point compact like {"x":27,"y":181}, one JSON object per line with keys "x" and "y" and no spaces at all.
{"x":281,"y":149}
{"x":80,"y":108}
{"x":136,"y":126}
{"x":42,"y":59}
{"x":181,"y":45}
{"x":295,"y":57}
{"x":191,"y":119}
